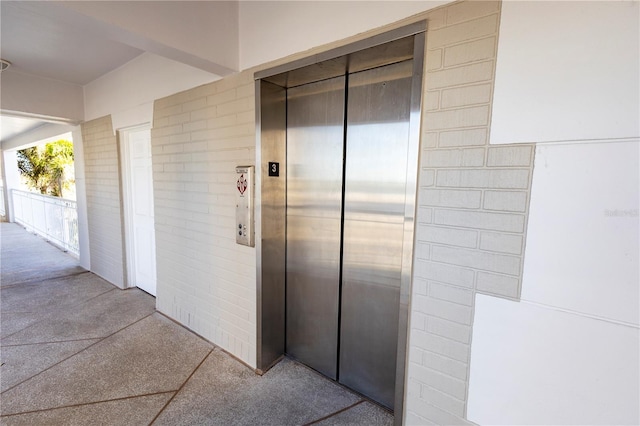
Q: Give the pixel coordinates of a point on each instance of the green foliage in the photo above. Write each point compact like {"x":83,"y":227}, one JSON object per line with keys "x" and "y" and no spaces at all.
{"x":43,"y":166}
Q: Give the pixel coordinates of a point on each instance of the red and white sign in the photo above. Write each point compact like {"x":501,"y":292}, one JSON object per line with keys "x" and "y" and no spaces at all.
{"x":242,"y":184}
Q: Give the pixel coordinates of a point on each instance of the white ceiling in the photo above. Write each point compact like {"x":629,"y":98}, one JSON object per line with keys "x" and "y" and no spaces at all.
{"x":77,"y":42}
{"x":37,"y":44}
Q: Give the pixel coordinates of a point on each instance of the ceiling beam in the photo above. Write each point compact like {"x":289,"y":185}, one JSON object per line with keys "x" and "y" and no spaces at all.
{"x":202,"y":34}
{"x":31,"y":96}
{"x":35,"y":136}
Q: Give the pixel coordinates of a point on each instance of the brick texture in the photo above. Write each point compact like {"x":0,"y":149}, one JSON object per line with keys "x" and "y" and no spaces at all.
{"x":472,"y":207}
{"x":205,"y":280}
{"x":104,"y":213}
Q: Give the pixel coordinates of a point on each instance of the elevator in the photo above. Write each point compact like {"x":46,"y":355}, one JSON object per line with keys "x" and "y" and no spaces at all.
{"x":337,"y":219}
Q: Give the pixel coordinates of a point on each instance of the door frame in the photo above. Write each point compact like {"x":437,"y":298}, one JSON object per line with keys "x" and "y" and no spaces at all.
{"x":127,"y":192}
{"x":270,"y":201}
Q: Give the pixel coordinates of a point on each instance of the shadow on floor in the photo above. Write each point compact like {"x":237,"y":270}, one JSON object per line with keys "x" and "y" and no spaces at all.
{"x":77,"y":350}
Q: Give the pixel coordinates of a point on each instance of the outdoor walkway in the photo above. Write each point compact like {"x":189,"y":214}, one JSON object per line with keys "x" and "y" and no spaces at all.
{"x":75,"y":350}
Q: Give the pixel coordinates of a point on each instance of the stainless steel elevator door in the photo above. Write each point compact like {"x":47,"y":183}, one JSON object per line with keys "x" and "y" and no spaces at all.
{"x":374,"y":205}
{"x":315,"y":145}
{"x":342,"y":308}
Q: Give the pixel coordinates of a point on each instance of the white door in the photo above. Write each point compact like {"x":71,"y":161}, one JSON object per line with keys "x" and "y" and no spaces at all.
{"x":141,"y":244}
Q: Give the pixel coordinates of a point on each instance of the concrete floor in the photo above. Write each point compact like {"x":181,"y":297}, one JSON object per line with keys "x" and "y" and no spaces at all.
{"x":77,"y":350}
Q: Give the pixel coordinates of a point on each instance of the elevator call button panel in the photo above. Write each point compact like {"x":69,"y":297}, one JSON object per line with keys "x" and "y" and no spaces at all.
{"x":244,"y":205}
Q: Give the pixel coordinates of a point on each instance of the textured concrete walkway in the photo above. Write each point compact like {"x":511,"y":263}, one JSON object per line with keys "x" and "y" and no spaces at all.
{"x":75,"y":350}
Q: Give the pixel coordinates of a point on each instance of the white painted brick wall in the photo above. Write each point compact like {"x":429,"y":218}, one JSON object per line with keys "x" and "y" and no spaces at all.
{"x":508,"y":201}
{"x":452,"y":236}
{"x":454,"y":32}
{"x":503,"y":243}
{"x":483,"y":178}
{"x":477,"y":259}
{"x":205,"y":280}
{"x":497,"y":284}
{"x":451,"y":198}
{"x":460,"y":75}
{"x":465,"y":11}
{"x":467,"y":95}
{"x":471,"y":137}
{"x":104,"y":214}
{"x":469,"y":52}
{"x":472,"y":206}
{"x":480,"y":220}
{"x":510,"y":156}
{"x":472,"y":157}
{"x":450,"y":293}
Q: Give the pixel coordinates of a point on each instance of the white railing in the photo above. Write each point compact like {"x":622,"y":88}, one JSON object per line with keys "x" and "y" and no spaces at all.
{"x":53,"y":218}
{"x":2,"y":212}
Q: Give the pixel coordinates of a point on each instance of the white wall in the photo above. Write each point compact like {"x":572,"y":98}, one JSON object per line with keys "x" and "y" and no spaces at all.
{"x":541,"y":366}
{"x":271,"y":30}
{"x":567,"y":71}
{"x":81,"y":198}
{"x":129,"y":91}
{"x":569,"y":352}
{"x":103,"y":200}
{"x":205,"y":280}
{"x":582,"y":244}
{"x":11,"y":179}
